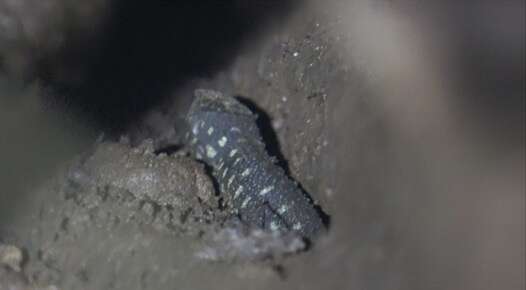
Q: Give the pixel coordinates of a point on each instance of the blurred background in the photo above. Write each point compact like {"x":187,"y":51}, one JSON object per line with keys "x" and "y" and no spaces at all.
{"x":406,"y":120}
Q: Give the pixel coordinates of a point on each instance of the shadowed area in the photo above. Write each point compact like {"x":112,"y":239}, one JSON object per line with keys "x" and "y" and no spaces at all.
{"x":148,"y":48}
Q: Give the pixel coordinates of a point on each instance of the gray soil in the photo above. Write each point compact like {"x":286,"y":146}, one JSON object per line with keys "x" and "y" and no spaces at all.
{"x":407,"y":172}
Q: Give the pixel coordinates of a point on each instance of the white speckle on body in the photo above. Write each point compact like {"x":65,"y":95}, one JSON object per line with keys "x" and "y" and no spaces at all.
{"x":246,"y":172}
{"x":239,"y":190}
{"x":297,"y":226}
{"x":266,"y":190}
{"x":295,"y":54}
{"x":235,"y":129}
{"x":222,"y":141}
{"x":246,"y":201}
{"x":274,"y":226}
{"x":195,"y":129}
{"x":232,"y":153}
{"x":210,"y":130}
{"x":230,"y":180}
{"x":210,"y":151}
{"x":283,"y":209}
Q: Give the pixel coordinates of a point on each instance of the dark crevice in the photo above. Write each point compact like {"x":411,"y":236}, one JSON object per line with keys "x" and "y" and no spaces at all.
{"x":149,"y":48}
{"x":273,"y":147}
{"x":270,"y":138}
{"x":169,"y":150}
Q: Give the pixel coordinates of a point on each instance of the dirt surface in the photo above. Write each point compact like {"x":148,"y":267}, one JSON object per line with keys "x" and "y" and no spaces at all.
{"x":136,"y":202}
{"x":424,"y":189}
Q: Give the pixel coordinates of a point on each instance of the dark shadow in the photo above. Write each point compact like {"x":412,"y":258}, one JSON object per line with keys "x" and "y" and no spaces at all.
{"x":169,"y":150}
{"x":210,"y":172}
{"x":271,"y":141}
{"x":270,"y":138}
{"x":151,"y":47}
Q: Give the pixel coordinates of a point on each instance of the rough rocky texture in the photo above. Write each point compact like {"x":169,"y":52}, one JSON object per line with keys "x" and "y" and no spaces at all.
{"x":11,"y":276}
{"x":166,"y":180}
{"x":129,"y":206}
{"x":117,"y":183}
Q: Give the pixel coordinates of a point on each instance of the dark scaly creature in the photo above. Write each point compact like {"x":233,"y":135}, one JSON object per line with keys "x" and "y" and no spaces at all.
{"x":224,"y":135}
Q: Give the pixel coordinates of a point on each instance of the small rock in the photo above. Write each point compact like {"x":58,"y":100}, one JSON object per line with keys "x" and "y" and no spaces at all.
{"x":11,"y":256}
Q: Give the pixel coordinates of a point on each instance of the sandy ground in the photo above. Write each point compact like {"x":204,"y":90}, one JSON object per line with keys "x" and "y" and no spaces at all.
{"x":423,"y":182}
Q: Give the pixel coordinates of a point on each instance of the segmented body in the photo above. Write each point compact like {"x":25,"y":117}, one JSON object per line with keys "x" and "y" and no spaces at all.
{"x":224,"y":134}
